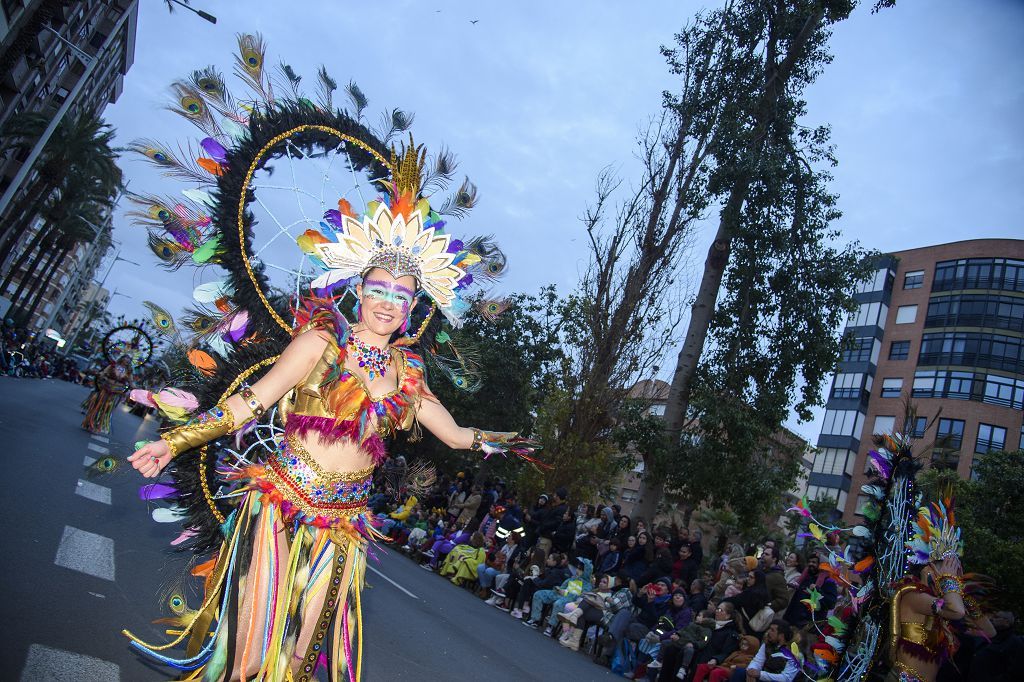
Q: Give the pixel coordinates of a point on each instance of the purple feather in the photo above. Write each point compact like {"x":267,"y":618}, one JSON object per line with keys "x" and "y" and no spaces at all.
{"x":157,"y":491}
{"x":455,"y":245}
{"x":215,"y":150}
{"x":333,"y":217}
{"x":881,"y":464}
{"x":466,"y":281}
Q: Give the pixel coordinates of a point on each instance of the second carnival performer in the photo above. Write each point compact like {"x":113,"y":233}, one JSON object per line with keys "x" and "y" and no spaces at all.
{"x":109,"y":387}
{"x":282,"y":589}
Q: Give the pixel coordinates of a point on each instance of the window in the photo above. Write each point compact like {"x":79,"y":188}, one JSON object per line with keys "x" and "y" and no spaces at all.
{"x":906,"y":314}
{"x":843,"y":423}
{"x":892,"y":388}
{"x":854,"y":386}
{"x":913,"y":279}
{"x":820,"y":492}
{"x":881,"y":281}
{"x":1005,"y":274}
{"x":917,"y":427}
{"x":884,"y":424}
{"x":990,"y":439}
{"x":862,"y":502}
{"x":950,"y":434}
{"x":899,"y":350}
{"x":858,"y":349}
{"x":976,"y":310}
{"x":658,"y":410}
{"x":973,"y":349}
{"x":870,"y":315}
{"x":833,"y":461}
{"x":11,"y":8}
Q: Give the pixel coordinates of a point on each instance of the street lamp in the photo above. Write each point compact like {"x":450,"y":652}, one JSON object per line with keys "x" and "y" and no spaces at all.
{"x":209,"y":17}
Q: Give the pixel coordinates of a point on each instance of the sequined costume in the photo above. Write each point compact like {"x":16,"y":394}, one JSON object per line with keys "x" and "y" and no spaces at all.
{"x":284,"y":586}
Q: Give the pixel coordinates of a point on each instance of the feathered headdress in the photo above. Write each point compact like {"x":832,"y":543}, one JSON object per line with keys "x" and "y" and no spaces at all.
{"x":935,"y":535}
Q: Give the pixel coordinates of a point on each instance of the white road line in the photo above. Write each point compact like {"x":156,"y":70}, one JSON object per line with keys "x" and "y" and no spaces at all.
{"x":55,"y":665}
{"x":102,"y":439}
{"x":99,"y":448}
{"x":86,"y":552}
{"x":92,"y":491}
{"x":392,"y":582}
{"x":88,"y":461}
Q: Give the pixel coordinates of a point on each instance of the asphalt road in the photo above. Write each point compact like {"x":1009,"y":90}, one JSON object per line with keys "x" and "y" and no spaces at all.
{"x":81,"y":559}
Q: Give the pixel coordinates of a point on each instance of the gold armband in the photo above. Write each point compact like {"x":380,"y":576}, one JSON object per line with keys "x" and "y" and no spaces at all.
{"x":208,"y":426}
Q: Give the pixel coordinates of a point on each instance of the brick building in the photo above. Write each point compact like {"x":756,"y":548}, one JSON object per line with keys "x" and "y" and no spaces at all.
{"x":943,"y":327}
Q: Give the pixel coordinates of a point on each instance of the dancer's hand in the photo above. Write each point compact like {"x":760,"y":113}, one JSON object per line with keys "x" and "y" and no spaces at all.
{"x":950,"y":566}
{"x":151,"y":458}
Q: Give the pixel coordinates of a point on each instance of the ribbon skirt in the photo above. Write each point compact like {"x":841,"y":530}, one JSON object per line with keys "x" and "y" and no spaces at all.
{"x":282,"y":597}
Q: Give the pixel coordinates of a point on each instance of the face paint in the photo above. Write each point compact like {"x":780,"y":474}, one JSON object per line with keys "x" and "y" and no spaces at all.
{"x":391,"y":292}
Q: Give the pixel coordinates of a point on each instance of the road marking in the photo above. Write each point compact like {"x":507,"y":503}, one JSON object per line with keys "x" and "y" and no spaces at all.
{"x":102,"y":439}
{"x":88,"y":461}
{"x":56,"y":665}
{"x":86,"y":552}
{"x":99,"y":448}
{"x":92,"y":491}
{"x":392,"y":582}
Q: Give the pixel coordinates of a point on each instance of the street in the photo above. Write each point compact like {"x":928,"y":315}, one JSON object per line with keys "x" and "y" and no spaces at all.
{"x":82,"y":560}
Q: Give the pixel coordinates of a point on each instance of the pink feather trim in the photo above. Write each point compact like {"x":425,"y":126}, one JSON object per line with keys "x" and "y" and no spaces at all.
{"x":330,"y":431}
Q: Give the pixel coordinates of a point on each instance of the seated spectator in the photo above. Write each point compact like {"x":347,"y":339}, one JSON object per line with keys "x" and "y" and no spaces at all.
{"x":774,"y":661}
{"x":625,"y":529}
{"x":564,"y":534}
{"x":467,"y":508}
{"x":685,"y":567}
{"x":503,"y":557}
{"x":638,"y":557}
{"x":739,"y":658}
{"x":578,"y":582}
{"x":649,"y":602}
{"x":779,"y":591}
{"x":463,"y":559}
{"x":676,"y":618}
{"x":489,"y":524}
{"x":709,"y":640}
{"x":396,"y":517}
{"x":437,"y":552}
{"x":794,"y":567}
{"x":608,"y":528}
{"x":532,"y":521}
{"x":612,"y":559}
{"x":660,"y":567}
{"x":419,"y":532}
{"x":751,"y":599}
{"x":698,"y":596}
{"x":587,"y":544}
{"x":797,"y":614}
{"x":588,"y":611}
{"x":554,"y":573}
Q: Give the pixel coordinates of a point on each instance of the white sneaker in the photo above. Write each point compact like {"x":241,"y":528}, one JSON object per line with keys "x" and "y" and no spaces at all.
{"x":681,"y":675}
{"x":517,"y":614}
{"x":654,"y":665}
{"x":492,"y":601}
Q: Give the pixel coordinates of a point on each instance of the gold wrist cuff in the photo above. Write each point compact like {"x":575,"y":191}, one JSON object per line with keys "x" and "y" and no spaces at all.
{"x":208,"y":426}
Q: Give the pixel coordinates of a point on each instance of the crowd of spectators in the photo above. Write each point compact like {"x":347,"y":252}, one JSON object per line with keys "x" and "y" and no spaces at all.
{"x":22,"y":355}
{"x":642,"y":600}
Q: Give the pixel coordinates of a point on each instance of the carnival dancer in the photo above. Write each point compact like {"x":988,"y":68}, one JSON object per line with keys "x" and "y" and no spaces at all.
{"x":285,"y":510}
{"x":929,"y":599}
{"x":110,"y":386}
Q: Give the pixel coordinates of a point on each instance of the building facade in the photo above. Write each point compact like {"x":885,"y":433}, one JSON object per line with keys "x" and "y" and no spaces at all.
{"x":56,"y":53}
{"x":939,"y":328}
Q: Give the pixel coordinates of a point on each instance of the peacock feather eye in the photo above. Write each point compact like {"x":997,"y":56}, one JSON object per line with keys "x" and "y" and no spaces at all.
{"x":156,"y":155}
{"x":252,"y":58}
{"x":192,"y":105}
{"x":494,"y":268}
{"x":177,"y":604}
{"x":107,"y":464}
{"x":209,"y":85}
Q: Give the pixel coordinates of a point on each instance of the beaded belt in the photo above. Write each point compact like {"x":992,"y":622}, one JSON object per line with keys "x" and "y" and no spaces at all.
{"x":294,"y":473}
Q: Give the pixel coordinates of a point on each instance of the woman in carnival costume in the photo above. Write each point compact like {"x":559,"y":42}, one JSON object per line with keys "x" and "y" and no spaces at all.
{"x":282,"y":588}
{"x":110,"y":385}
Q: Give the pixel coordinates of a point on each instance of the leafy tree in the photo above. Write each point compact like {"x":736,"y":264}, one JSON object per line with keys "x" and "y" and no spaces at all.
{"x":774,"y":287}
{"x":79,"y":148}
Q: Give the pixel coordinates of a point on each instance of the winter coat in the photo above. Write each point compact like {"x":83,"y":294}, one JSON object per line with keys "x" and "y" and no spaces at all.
{"x":468,"y":509}
{"x":721,"y":642}
{"x":680,"y":618}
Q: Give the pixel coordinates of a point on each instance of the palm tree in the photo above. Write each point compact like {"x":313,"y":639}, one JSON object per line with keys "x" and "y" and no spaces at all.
{"x":79,"y":147}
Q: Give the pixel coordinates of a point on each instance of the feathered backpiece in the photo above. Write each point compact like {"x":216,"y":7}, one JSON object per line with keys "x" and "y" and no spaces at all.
{"x":866,"y":559}
{"x":394,"y":217}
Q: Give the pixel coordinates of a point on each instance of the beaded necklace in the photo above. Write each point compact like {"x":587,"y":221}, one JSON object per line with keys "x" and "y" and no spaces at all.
{"x":373,"y":360}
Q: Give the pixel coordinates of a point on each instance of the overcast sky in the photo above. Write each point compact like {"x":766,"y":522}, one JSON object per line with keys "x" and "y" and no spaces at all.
{"x":537,"y":97}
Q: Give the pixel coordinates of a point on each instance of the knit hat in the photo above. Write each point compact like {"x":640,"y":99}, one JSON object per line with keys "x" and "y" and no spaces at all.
{"x":750,"y":562}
